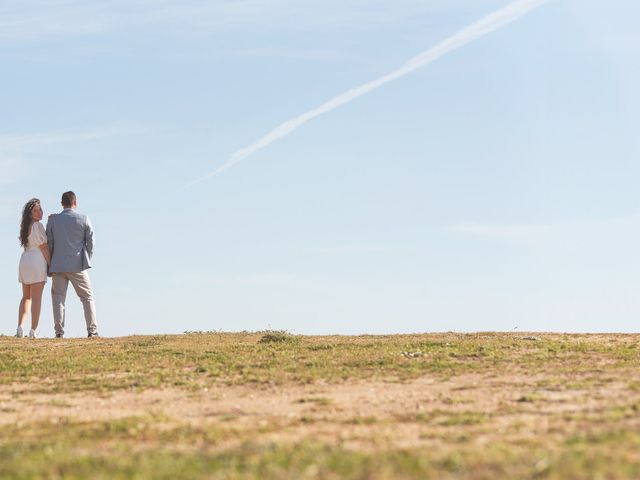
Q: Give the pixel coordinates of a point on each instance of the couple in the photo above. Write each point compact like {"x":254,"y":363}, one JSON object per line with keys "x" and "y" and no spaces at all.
{"x":63,"y":252}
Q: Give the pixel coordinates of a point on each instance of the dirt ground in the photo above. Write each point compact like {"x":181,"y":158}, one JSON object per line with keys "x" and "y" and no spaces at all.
{"x":359,"y":414}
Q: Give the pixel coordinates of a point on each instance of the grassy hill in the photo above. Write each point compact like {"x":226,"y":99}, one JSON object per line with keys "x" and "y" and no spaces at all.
{"x":272,"y":405}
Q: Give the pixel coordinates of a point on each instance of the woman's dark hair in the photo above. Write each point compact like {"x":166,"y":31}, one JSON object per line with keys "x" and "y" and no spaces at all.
{"x":25,"y":225}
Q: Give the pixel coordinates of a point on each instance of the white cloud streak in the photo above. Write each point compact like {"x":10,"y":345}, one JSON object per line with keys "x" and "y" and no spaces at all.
{"x":20,"y":142}
{"x":15,"y":148}
{"x":488,"y":24}
{"x":36,"y":20}
{"x":503,"y":232}
{"x":351,"y":249}
{"x":622,"y":228}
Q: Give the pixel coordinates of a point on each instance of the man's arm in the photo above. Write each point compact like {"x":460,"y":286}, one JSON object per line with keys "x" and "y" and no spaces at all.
{"x":44,"y":248}
{"x":88,"y":238}
{"x":50,"y":234}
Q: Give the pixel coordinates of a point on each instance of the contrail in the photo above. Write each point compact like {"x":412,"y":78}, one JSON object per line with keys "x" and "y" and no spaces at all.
{"x":488,"y":24}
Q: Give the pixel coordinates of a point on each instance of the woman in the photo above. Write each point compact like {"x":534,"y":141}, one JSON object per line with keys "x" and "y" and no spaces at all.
{"x":33,"y":266}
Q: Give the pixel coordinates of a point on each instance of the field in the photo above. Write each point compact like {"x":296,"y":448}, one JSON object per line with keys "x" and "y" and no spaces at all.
{"x":271,"y":405}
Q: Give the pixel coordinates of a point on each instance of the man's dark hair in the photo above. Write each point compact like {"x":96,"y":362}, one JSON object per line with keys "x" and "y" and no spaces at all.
{"x":68,"y":199}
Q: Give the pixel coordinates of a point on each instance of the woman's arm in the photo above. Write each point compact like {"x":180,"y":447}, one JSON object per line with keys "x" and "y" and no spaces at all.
{"x":44,"y":248}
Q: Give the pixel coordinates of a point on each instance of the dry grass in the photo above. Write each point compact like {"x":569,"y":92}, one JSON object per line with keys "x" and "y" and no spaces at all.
{"x":274,"y":405}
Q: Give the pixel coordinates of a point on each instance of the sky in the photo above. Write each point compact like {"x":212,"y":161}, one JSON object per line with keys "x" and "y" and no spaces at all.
{"x":495,"y":189}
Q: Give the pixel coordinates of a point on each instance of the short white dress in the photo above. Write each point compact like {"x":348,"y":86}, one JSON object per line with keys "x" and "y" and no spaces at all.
{"x":33,"y":266}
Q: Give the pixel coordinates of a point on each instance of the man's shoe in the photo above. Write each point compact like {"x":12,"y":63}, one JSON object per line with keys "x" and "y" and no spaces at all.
{"x":19,"y":332}
{"x":93,"y":335}
{"x":59,"y":335}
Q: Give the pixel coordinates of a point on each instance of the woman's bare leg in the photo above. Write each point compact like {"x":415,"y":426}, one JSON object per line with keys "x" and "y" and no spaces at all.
{"x":36,"y":303}
{"x":25,"y":304}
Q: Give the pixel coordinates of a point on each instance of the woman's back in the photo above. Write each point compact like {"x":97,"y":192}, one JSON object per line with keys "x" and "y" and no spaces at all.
{"x":37,"y":236}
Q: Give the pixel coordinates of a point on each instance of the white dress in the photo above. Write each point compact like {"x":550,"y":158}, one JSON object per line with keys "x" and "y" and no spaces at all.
{"x":33,"y":266}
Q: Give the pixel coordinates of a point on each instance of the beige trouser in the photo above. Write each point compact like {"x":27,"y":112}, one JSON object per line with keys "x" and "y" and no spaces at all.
{"x":82,"y":285}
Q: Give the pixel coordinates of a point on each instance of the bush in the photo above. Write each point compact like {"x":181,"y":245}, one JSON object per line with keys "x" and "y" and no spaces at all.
{"x":277,"y":336}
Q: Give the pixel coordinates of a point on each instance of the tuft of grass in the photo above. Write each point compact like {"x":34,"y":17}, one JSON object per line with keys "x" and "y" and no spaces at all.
{"x":464,"y":418}
{"x":530,"y":398}
{"x":277,"y":336}
{"x":322,"y":401}
{"x":365,"y":420}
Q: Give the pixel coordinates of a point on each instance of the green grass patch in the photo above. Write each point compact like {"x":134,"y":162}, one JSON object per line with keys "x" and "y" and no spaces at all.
{"x":199,"y":359}
{"x":128,"y":449}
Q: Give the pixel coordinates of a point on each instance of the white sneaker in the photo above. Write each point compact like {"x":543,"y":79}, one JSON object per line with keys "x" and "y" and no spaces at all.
{"x":20,"y":332}
{"x":33,"y":334}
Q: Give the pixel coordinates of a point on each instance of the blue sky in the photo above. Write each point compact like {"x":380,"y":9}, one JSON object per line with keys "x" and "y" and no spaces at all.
{"x":495,"y":188}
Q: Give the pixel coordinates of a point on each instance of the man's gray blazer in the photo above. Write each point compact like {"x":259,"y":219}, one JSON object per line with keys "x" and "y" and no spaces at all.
{"x":70,"y":239}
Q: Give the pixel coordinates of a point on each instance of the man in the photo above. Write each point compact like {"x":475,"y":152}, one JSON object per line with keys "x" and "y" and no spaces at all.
{"x":70,"y":239}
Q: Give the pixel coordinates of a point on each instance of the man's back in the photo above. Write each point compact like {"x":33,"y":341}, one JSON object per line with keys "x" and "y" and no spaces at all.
{"x":70,"y":238}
